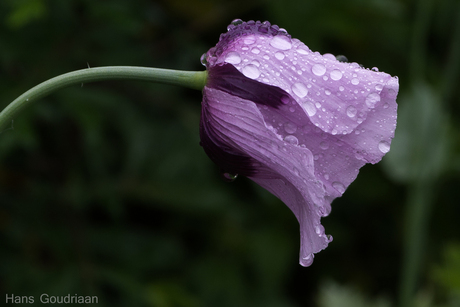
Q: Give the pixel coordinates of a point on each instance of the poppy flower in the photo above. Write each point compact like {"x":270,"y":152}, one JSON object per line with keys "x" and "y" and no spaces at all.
{"x":298,"y":123}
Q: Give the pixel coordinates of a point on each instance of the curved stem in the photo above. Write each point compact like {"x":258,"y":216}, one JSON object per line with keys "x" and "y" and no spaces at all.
{"x":190,"y":79}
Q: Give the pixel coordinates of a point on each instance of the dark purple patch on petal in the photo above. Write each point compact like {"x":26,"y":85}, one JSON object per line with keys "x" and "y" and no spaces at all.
{"x":228,"y":79}
{"x":228,"y":158}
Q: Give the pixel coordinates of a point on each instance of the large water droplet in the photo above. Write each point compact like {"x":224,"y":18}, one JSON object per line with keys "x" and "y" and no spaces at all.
{"x":355,"y":81}
{"x":384,"y":146}
{"x":290,"y":127}
{"x":324,"y":145}
{"x":351,"y":111}
{"x":372,"y":99}
{"x":299,"y":89}
{"x":291,"y":140}
{"x":338,"y":186}
{"x":255,"y":50}
{"x":309,"y":107}
{"x":281,"y":42}
{"x":251,"y":71}
{"x":336,"y":74}
{"x":233,"y":58}
{"x":318,"y":69}
{"x":307,"y":261}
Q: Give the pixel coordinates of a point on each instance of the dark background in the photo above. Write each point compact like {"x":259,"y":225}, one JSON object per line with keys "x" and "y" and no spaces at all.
{"x":104,"y":189}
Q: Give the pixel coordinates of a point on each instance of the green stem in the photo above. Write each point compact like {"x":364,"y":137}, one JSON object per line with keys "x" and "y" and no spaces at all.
{"x":419,"y":203}
{"x":190,"y":79}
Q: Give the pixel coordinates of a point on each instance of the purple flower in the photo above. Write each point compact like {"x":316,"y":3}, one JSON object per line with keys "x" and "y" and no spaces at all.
{"x":298,"y":123}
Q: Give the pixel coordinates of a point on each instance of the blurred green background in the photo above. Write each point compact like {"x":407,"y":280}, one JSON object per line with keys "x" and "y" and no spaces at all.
{"x":104,"y":189}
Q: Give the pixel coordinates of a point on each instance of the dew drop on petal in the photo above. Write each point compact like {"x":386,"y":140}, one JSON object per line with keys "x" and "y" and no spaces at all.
{"x":299,"y":89}
{"x":341,"y":88}
{"x":281,"y":42}
{"x":324,"y":145}
{"x":336,"y":75}
{"x":285,"y":99}
{"x":372,"y":99}
{"x":302,"y":51}
{"x":249,"y":40}
{"x":384,"y":146}
{"x":355,"y":81}
{"x":318,"y":69}
{"x":236,"y":22}
{"x":251,"y":71}
{"x":351,"y":111}
{"x":279,"y":55}
{"x":255,"y":50}
{"x":291,"y":140}
{"x":233,"y":58}
{"x":290,"y":127}
{"x":338,"y":186}
{"x":378,"y":87}
{"x":309,"y":107}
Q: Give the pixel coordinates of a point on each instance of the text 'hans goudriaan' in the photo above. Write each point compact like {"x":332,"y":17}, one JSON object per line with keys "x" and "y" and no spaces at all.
{"x":51,"y":299}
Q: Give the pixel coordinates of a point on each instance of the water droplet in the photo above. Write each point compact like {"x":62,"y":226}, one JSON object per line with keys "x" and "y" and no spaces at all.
{"x":266,"y":57}
{"x":203,"y":59}
{"x":251,"y":71}
{"x":302,"y":51}
{"x":386,"y":105}
{"x":279,"y":55}
{"x":281,"y":42}
{"x":384,"y":146}
{"x":338,"y":186}
{"x":341,"y":58}
{"x":336,"y":75}
{"x":228,"y":177}
{"x":326,"y":176}
{"x":291,"y":140}
{"x":391,"y":93}
{"x":285,"y":99}
{"x":309,"y":107}
{"x":351,"y":111}
{"x":355,"y":81}
{"x":378,"y":87}
{"x":327,"y":92}
{"x":236,"y":22}
{"x":372,"y":99}
{"x":341,"y":88}
{"x":290,"y":127}
{"x":233,"y":58}
{"x":318,"y":69}
{"x":329,"y":56}
{"x":249,"y":40}
{"x":299,"y":89}
{"x":329,"y":238}
{"x":375,"y":69}
{"x":255,"y":50}
{"x":307,"y":260}
{"x":324,"y":145}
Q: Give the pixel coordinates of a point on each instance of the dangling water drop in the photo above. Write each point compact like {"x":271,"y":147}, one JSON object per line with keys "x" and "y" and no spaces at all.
{"x":228,"y":177}
{"x":203,"y":60}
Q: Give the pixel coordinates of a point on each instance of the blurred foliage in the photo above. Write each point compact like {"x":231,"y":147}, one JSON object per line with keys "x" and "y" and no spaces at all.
{"x":104,"y":189}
